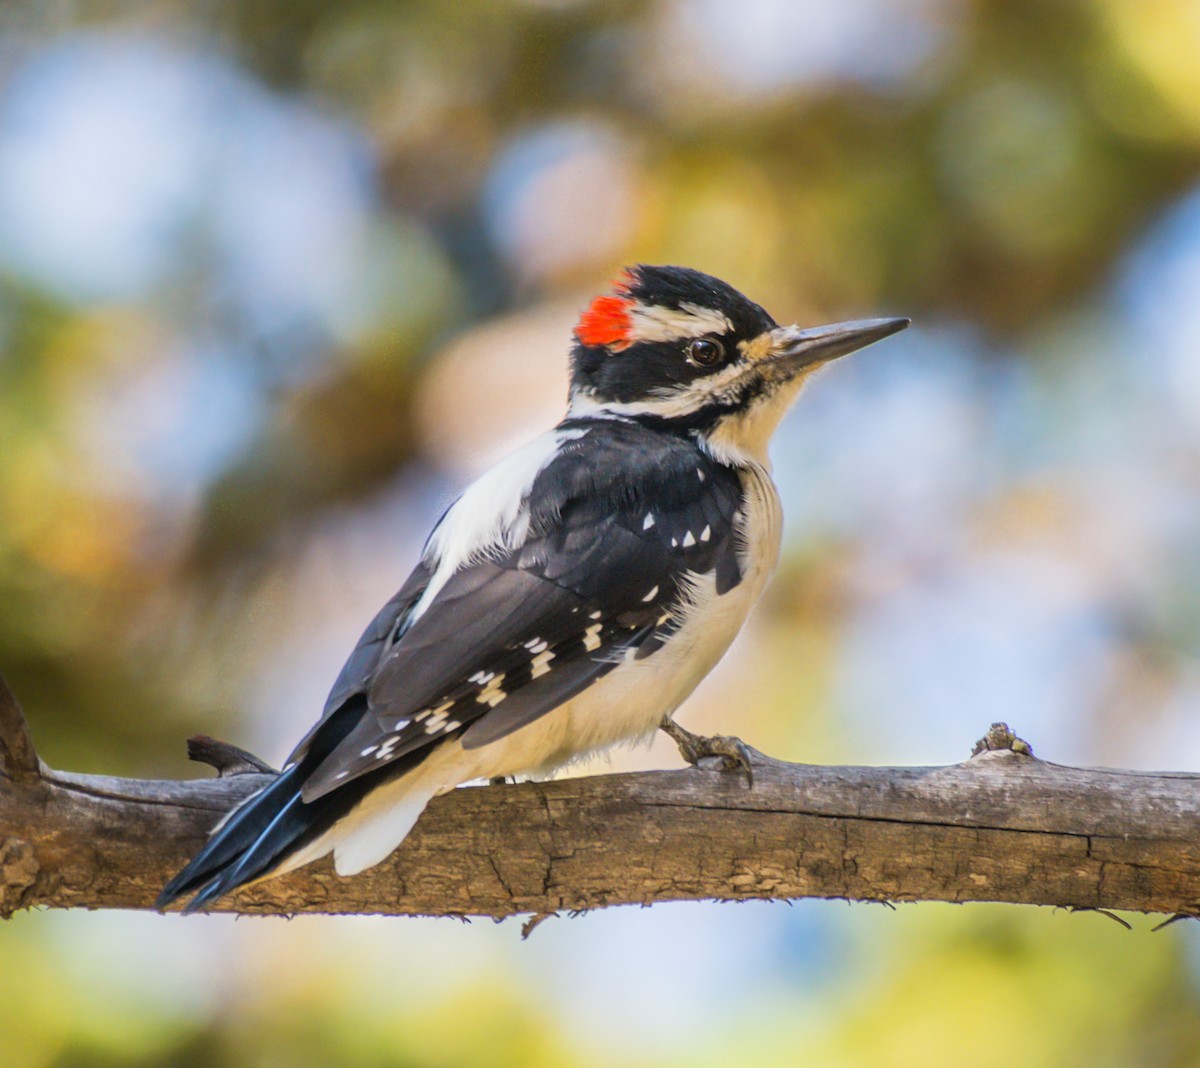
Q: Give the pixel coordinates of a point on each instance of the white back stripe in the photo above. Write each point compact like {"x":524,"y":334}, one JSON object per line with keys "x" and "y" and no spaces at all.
{"x":491,"y":514}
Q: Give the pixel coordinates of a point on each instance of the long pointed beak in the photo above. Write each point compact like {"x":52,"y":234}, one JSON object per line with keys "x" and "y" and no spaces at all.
{"x":795,"y":349}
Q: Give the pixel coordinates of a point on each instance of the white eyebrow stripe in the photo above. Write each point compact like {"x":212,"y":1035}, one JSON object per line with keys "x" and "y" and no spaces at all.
{"x":654,"y":322}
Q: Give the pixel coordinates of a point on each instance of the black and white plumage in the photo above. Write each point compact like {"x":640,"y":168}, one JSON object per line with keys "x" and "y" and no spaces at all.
{"x":571,"y":598}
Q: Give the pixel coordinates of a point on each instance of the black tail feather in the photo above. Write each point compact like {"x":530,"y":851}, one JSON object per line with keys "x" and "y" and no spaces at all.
{"x":260,"y":836}
{"x":273,"y":824}
{"x":230,"y":841}
{"x":255,"y":839}
{"x":280,"y":838}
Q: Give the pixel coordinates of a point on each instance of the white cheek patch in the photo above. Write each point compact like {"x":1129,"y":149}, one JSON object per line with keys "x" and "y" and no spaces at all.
{"x":674,"y":403}
{"x":653,"y":322}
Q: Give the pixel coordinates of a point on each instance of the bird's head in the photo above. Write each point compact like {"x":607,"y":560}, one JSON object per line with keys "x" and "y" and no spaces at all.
{"x":682,"y":350}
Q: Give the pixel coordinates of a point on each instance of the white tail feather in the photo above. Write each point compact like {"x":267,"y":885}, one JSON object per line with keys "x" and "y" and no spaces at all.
{"x":372,"y":831}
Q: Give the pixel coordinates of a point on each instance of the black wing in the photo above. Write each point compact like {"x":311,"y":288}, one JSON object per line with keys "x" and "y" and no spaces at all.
{"x":617,"y":524}
{"x":382,"y":633}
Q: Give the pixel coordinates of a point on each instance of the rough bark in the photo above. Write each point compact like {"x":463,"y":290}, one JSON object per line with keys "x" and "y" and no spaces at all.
{"x":1002,"y":826}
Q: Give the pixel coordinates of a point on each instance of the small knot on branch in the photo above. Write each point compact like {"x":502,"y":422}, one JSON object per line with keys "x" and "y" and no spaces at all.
{"x":227,"y":759}
{"x":1001,"y":736}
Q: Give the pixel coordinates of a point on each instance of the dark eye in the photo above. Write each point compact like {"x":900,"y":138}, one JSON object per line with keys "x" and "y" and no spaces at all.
{"x":705,"y":352}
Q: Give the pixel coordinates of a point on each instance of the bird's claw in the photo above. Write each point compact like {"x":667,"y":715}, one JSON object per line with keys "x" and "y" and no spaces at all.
{"x":695,"y":747}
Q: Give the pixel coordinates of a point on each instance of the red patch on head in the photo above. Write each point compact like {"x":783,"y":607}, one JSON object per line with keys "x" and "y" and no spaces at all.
{"x":606,"y":322}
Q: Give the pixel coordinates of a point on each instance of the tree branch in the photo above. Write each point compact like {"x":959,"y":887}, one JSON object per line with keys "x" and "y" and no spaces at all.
{"x":227,"y":759}
{"x":1001,"y":826}
{"x":18,"y":758}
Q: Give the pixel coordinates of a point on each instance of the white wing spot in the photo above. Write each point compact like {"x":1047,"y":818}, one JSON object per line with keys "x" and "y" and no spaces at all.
{"x":453,"y":725}
{"x":369,"y":750}
{"x":437,"y":719}
{"x":541,"y":664}
{"x":595,"y":615}
{"x":426,"y":712}
{"x":482,"y":677}
{"x":674,"y":543}
{"x":706,"y":533}
{"x":700,"y":474}
{"x":648,"y":522}
{"x":492,"y":694}
{"x":537,"y":645}
{"x":651,"y":595}
{"x":689,"y":539}
{"x":388,"y":747}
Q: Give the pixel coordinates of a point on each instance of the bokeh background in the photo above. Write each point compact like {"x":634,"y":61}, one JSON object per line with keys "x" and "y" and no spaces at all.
{"x":277,"y":278}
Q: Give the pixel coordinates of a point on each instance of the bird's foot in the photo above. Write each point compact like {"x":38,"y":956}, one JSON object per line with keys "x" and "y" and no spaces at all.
{"x":695,"y":747}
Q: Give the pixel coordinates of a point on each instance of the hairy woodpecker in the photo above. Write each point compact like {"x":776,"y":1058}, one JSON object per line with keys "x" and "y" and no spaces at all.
{"x":571,"y":598}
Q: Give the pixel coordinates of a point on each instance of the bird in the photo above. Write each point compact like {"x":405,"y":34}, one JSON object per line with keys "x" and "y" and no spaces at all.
{"x":571,"y":598}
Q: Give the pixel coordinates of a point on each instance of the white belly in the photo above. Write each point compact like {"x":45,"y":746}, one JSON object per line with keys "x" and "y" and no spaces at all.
{"x":626,"y":704}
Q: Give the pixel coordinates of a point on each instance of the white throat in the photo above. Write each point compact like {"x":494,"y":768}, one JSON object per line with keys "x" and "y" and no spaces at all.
{"x":743,"y":437}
